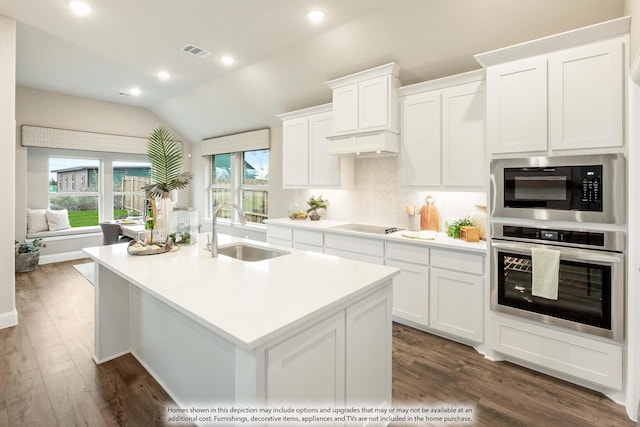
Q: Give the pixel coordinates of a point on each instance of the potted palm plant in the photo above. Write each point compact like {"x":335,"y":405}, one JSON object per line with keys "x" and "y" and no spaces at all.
{"x":165,"y":155}
{"x":315,"y":203}
{"x":28,"y":254}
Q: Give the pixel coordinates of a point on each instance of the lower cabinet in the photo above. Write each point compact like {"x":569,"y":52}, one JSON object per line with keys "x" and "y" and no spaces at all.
{"x":569,"y":355}
{"x":350,"y":353}
{"x":321,"y":346}
{"x":308,"y":240}
{"x":456,"y":303}
{"x":410,"y":293}
{"x":282,"y":236}
{"x":354,"y":247}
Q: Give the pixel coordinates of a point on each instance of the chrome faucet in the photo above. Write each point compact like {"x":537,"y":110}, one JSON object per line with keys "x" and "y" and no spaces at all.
{"x":214,"y":234}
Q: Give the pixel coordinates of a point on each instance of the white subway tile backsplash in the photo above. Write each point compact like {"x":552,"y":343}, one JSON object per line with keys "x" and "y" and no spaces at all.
{"x":376,"y":197}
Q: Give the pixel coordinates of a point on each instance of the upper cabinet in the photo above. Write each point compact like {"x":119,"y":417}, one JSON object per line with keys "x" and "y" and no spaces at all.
{"x":560,"y":93}
{"x":443,"y":133}
{"x":305,"y":145}
{"x":365,"y":111}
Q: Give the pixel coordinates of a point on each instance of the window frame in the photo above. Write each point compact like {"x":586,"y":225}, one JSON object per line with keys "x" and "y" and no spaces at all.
{"x":237,"y":187}
{"x":105,"y":188}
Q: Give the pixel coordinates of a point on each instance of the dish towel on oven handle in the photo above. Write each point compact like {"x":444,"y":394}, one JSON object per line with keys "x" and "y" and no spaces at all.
{"x":546,"y":269}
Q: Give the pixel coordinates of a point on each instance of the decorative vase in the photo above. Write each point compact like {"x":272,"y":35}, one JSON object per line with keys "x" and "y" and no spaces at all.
{"x":315,"y":216}
{"x":479,"y":220}
{"x":163,"y":217}
{"x":27,"y":261}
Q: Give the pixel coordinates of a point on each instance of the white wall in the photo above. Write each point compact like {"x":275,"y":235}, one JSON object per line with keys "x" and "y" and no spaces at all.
{"x":8,"y":315}
{"x":48,"y":109}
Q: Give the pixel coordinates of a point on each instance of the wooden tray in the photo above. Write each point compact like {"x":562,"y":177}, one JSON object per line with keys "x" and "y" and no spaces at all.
{"x":148,"y":250}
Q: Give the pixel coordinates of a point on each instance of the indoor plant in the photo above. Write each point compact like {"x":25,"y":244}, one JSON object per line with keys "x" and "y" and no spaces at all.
{"x":28,"y":254}
{"x":315,"y":203}
{"x":165,"y":155}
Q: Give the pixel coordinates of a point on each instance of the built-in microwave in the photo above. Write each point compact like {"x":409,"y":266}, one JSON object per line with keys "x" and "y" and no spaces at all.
{"x":573,"y":188}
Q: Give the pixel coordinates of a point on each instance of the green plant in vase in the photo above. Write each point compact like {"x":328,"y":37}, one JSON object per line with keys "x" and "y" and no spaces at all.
{"x":165,"y":155}
{"x":315,"y":203}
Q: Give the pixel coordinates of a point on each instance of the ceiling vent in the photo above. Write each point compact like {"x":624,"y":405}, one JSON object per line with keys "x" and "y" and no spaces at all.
{"x":195,"y":50}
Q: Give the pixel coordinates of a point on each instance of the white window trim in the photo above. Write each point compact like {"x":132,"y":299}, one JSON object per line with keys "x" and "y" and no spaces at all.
{"x":236,"y":187}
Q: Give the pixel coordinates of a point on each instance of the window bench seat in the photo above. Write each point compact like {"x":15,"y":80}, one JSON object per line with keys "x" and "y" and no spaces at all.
{"x":67,"y":244}
{"x":67,"y":233}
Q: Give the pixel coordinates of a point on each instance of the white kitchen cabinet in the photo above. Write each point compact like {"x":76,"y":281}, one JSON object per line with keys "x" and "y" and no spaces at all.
{"x":354,"y":247}
{"x":278,"y":235}
{"x":517,"y":106}
{"x":345,"y":112}
{"x":365,"y":111}
{"x":305,"y":145}
{"x":569,"y":355}
{"x":308,"y":240}
{"x":410,"y":293}
{"x":419,"y":159}
{"x":369,"y":361}
{"x":464,"y":157}
{"x":563,"y":95}
{"x":586,"y":96}
{"x":288,"y":373}
{"x":443,"y":133}
{"x":456,"y":303}
{"x":352,"y":350}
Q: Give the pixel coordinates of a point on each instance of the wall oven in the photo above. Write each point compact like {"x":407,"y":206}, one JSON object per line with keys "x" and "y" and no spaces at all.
{"x":590,"y":285}
{"x":575,"y":188}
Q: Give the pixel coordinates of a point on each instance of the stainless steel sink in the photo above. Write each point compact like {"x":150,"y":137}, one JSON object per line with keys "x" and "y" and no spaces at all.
{"x":249,"y":253}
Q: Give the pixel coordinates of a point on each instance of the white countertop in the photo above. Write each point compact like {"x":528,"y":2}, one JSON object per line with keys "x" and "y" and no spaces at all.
{"x":441,"y":241}
{"x":248,"y":303}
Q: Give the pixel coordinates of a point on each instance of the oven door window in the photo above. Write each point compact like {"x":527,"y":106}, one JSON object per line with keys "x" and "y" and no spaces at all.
{"x":544,"y":188}
{"x":584,"y":290}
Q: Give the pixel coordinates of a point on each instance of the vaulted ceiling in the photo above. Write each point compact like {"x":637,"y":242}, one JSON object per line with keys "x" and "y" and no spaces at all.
{"x":282,"y":60}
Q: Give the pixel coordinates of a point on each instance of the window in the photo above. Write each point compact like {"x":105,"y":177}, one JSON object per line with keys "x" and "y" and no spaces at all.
{"x":255,"y":185}
{"x":241,"y":178}
{"x":128,"y":180}
{"x":82,"y":200}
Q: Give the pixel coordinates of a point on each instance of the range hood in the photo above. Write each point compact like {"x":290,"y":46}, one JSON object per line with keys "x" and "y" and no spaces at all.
{"x":379,"y":143}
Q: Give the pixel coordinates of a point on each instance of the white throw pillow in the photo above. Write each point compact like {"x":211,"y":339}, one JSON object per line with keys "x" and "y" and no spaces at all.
{"x":58,"y":220}
{"x":36,"y":220}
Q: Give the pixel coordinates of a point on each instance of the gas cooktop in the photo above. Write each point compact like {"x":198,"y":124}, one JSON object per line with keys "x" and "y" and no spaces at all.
{"x":364,"y":228}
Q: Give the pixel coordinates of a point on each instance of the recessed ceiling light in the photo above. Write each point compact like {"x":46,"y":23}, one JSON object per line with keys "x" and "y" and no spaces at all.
{"x":163,"y":75}
{"x":227,"y":60}
{"x":80,"y":8}
{"x":135,"y":91}
{"x":316,"y":15}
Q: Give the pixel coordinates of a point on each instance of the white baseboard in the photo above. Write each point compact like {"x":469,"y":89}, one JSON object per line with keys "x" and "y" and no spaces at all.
{"x":66,"y":256}
{"x":8,"y":319}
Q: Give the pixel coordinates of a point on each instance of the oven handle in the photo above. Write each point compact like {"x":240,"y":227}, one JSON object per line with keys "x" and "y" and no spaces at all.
{"x":578,"y":255}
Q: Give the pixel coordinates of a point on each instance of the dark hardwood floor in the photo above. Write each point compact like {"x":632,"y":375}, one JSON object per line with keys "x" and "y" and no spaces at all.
{"x":48,"y":378}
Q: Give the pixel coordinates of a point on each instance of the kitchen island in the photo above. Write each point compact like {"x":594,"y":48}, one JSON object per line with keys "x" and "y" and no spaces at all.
{"x":301,"y":327}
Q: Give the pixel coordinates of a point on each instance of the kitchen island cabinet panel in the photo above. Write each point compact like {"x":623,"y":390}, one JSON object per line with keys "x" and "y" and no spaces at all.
{"x":456,"y":304}
{"x":322,"y":347}
{"x":366,"y":319}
